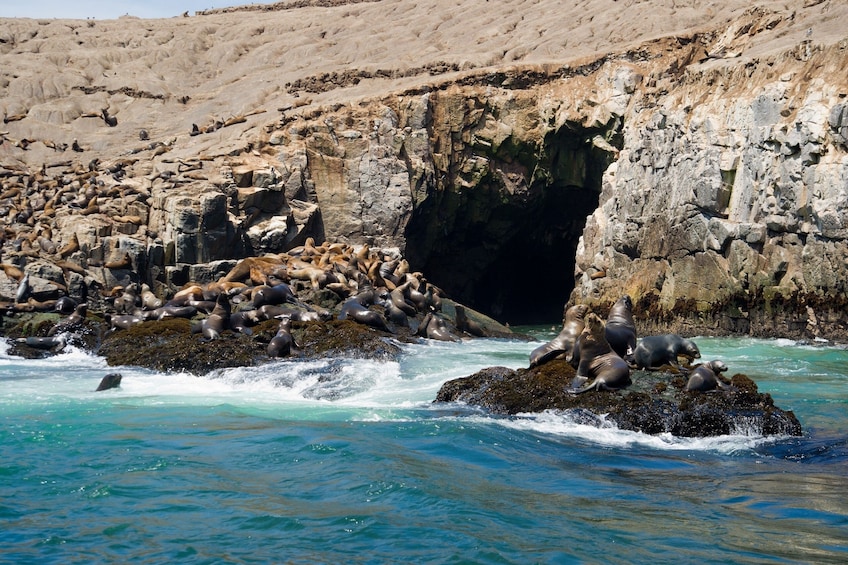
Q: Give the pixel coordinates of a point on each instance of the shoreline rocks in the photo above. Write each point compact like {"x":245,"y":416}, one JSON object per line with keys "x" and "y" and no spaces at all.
{"x":654,"y":404}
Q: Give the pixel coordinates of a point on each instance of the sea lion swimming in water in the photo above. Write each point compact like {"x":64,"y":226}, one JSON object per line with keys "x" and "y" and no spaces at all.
{"x":658,"y":350}
{"x":599,"y":364}
{"x":620,"y":328}
{"x":112,"y":380}
{"x":563,"y":344}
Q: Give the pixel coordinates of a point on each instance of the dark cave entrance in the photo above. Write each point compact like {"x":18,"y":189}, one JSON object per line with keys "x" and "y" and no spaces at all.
{"x":511,"y":255}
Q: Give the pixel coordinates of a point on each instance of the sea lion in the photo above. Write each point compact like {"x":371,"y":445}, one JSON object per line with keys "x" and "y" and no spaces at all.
{"x":123,"y":321}
{"x":658,"y":350}
{"x":433,"y":326}
{"x":599,"y":364}
{"x":351,"y":308}
{"x":242,"y":321}
{"x":52,"y":343}
{"x":65,"y":305}
{"x":166,"y":312}
{"x":398,"y":298}
{"x":277,"y":294}
{"x":218,"y":320}
{"x":127,"y":301}
{"x":70,"y":323}
{"x":466,"y":325}
{"x":620,"y":328}
{"x":563,"y":344}
{"x":281,"y":344}
{"x":112,"y":380}
{"x":24,"y":289}
{"x":707,"y":377}
{"x":149,"y":301}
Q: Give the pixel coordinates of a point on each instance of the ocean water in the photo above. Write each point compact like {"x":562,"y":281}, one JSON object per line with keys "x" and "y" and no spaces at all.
{"x":344,"y":461}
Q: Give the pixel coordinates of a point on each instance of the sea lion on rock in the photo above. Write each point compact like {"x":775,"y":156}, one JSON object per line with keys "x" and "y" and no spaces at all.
{"x":599,"y":364}
{"x":166,"y":312}
{"x":620,"y":328}
{"x":24,"y":289}
{"x":658,"y":350}
{"x":277,"y":294}
{"x":433,"y":326}
{"x":707,"y":377}
{"x":47,"y":343}
{"x":351,"y":308}
{"x":112,"y":380}
{"x":218,"y":320}
{"x":123,"y":321}
{"x":242,"y":321}
{"x":394,"y":314}
{"x":466,"y":325}
{"x":65,"y":305}
{"x":281,"y":344}
{"x":563,"y":344}
{"x":70,"y":323}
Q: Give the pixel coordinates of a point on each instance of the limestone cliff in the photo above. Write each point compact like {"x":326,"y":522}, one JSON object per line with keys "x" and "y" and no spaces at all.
{"x":700,"y":164}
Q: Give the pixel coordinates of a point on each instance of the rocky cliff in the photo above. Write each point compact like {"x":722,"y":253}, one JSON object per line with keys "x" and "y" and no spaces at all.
{"x":694,"y":157}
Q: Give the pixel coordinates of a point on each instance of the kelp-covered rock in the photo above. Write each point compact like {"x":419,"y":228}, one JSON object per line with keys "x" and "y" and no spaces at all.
{"x":169,"y":345}
{"x":655,"y":403}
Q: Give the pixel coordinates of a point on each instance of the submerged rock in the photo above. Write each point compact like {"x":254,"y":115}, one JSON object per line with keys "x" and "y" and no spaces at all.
{"x":655,"y":403}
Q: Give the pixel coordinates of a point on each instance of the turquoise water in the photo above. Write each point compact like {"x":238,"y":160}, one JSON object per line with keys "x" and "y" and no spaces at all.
{"x":343,"y":461}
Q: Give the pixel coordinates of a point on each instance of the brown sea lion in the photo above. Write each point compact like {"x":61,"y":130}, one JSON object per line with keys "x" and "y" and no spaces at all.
{"x":218,"y":320}
{"x":55,"y":344}
{"x":112,"y":380}
{"x":464,"y":324}
{"x":563,"y":344}
{"x":72,"y":322}
{"x":707,"y":377}
{"x":658,"y":350}
{"x":276,"y":295}
{"x":352,"y":309}
{"x":281,"y":344}
{"x":433,"y":326}
{"x":123,"y":321}
{"x":599,"y":364}
{"x":620,"y":328}
{"x":65,"y":305}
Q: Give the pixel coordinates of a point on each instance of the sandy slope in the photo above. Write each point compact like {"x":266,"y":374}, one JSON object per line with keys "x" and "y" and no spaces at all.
{"x":165,"y":75}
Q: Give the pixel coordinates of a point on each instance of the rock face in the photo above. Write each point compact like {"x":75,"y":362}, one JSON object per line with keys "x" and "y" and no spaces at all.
{"x":725,"y":211}
{"x":704,"y":172}
{"x":655,"y":403}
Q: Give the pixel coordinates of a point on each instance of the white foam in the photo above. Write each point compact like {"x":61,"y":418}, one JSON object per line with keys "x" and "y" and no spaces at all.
{"x":583,"y":426}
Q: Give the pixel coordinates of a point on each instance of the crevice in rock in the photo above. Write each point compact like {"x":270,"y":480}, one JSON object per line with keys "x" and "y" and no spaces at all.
{"x":506,"y":244}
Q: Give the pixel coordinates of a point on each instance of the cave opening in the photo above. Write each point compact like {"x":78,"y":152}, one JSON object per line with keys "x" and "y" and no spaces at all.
{"x":511,"y":253}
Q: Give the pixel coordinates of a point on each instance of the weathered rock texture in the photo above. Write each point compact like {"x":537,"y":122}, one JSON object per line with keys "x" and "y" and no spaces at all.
{"x":654,"y":404}
{"x":706,"y":144}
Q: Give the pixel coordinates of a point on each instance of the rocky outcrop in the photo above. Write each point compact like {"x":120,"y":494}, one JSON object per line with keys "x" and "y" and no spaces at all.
{"x":725,"y":212}
{"x":710,"y":162}
{"x":654,"y":404}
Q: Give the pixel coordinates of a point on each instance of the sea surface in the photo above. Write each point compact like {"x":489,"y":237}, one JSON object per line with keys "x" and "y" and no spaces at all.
{"x":349,"y":461}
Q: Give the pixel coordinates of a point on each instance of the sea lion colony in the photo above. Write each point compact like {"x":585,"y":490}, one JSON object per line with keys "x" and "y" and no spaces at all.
{"x":605,"y":352}
{"x":309,"y":283}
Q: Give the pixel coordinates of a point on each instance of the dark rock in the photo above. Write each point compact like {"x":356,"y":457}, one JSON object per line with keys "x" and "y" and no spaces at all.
{"x":168,"y":345}
{"x":655,"y":403}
